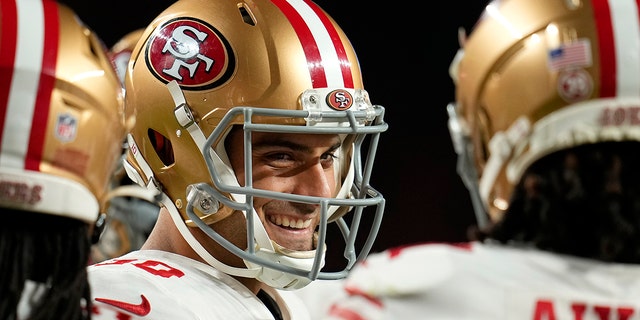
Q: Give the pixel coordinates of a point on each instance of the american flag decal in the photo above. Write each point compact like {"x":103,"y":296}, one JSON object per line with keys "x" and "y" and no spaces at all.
{"x":574,"y":54}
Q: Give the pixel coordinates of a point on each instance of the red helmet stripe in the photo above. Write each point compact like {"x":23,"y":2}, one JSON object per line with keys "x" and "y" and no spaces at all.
{"x":318,"y":77}
{"x":607,"y":48}
{"x":26,"y":86}
{"x":618,"y":38}
{"x":46,"y":85}
{"x":337,"y":43}
{"x":8,"y":34}
{"x":320,"y":42}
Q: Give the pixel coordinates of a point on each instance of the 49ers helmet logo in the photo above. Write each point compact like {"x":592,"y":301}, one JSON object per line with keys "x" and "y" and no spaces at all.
{"x":340,"y":99}
{"x":192,"y":52}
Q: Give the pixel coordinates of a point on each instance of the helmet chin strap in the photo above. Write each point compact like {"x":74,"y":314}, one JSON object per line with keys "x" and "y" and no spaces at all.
{"x":265,"y":248}
{"x":273,"y":252}
{"x":199,"y":249}
{"x":165,"y":201}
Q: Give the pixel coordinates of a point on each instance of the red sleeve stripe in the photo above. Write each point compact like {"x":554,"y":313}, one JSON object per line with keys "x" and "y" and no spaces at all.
{"x":321,"y":43}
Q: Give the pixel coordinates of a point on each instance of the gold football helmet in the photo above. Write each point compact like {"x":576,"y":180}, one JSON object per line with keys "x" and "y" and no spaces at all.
{"x":204,"y":66}
{"x":62,"y":118}
{"x":534,"y":77}
{"x":131,"y":215}
{"x":120,"y":52}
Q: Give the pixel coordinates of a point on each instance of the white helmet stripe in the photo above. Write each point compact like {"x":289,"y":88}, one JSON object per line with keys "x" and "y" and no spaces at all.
{"x":619,"y":38}
{"x":321,"y":43}
{"x":24,"y":100}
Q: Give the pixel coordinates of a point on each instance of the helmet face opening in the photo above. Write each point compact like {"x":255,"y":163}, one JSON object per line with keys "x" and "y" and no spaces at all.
{"x":210,"y":73}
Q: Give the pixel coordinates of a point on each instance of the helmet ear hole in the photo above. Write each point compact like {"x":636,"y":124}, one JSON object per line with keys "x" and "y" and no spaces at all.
{"x":162,"y":147}
{"x":246,"y":16}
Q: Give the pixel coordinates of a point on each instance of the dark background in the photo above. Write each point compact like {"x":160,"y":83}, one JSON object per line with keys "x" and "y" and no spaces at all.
{"x":404,"y":49}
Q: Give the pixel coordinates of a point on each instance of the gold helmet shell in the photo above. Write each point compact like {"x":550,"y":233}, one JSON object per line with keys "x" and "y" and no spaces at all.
{"x":534,"y":77}
{"x":62,"y":118}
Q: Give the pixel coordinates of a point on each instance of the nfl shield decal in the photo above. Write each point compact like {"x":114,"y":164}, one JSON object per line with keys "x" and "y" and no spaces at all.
{"x":66,"y":127}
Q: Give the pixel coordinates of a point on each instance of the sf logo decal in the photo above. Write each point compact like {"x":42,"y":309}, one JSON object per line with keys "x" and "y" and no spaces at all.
{"x":190,"y":51}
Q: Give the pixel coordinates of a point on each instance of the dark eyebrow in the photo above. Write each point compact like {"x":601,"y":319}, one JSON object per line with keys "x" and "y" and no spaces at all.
{"x":280,"y":142}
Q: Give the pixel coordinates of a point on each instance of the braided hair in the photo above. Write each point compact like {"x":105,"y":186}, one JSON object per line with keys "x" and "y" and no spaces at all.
{"x":583,"y":201}
{"x":49,"y":254}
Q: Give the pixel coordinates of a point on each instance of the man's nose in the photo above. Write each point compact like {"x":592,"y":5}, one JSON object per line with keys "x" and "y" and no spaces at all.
{"x":314,"y":181}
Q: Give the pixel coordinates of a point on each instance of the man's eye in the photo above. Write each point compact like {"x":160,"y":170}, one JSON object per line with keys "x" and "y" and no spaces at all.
{"x":331,"y":156}
{"x":278,"y":157}
{"x":328,"y":159}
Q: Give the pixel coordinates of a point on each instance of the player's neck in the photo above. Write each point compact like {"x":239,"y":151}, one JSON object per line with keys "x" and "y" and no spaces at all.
{"x":251,"y":284}
{"x":166,"y":237}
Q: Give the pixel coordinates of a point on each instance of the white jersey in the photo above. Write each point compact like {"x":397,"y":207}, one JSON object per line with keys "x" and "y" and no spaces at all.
{"x":152,"y":284}
{"x":480,"y":282}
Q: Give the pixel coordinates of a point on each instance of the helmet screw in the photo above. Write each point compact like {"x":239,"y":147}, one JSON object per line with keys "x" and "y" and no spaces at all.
{"x":205,"y":204}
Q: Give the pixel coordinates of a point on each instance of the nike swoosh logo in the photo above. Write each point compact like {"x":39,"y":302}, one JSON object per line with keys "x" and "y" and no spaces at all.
{"x":141,"y":309}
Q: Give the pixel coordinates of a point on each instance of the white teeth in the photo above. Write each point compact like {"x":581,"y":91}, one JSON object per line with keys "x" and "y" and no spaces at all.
{"x":290,"y":222}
